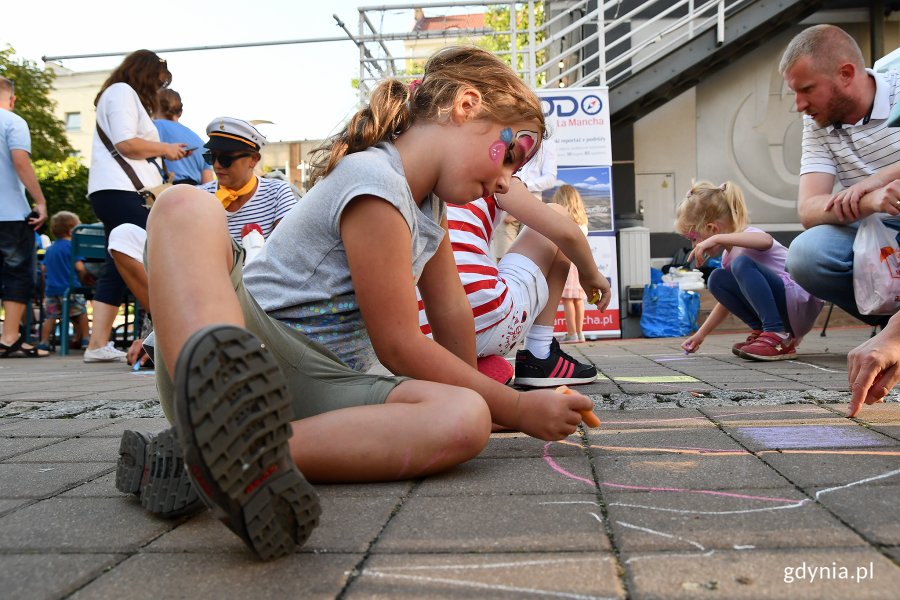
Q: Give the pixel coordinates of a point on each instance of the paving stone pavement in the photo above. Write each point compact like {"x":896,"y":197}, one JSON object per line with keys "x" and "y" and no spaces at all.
{"x":710,"y":477}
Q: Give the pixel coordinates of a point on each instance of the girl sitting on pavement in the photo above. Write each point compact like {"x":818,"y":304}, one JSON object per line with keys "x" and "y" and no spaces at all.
{"x":752,"y":283}
{"x":342,"y":266}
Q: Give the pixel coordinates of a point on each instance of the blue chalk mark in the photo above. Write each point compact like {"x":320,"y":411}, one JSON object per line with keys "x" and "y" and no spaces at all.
{"x":812,"y":436}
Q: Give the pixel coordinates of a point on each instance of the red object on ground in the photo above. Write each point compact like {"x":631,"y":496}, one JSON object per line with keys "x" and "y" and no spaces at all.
{"x":496,"y":367}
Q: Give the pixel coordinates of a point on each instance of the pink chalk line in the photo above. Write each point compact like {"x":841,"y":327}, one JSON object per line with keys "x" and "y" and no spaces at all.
{"x":555,"y":466}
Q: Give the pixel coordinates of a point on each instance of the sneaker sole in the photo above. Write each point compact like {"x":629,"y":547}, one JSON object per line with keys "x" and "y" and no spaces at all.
{"x":232,"y":414}
{"x":540,"y":382}
{"x":132,"y":458}
{"x":759,"y":358}
{"x":153,"y":469}
{"x":93,"y":360}
{"x":168,"y":491}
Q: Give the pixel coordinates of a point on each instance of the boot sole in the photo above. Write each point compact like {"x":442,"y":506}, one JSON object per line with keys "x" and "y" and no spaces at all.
{"x":153,"y":469}
{"x":233,"y":413}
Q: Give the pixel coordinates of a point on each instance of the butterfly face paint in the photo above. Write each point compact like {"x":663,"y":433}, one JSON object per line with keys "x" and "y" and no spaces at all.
{"x":515,"y":149}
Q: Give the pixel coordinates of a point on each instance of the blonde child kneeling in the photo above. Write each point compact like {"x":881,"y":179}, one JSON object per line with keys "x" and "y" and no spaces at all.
{"x":752,"y":283}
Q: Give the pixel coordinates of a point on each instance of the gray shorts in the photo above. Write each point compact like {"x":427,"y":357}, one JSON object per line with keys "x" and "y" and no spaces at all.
{"x":316,"y":379}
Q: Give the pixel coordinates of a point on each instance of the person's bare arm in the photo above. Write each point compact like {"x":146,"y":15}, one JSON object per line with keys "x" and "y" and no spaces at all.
{"x":552,"y":221}
{"x":448,"y":309}
{"x":385,"y":292}
{"x":22,"y":163}
{"x":139,"y":148}
{"x":815,"y":193}
{"x":206,"y":176}
{"x":714,"y":244}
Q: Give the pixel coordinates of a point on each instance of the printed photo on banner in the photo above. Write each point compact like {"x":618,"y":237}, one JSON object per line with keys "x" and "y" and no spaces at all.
{"x":595,"y":186}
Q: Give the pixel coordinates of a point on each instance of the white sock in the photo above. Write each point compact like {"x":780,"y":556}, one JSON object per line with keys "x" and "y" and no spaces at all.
{"x":537,"y":340}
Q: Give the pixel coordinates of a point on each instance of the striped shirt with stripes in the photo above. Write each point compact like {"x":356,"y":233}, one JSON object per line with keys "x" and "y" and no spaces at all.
{"x":471,"y":227}
{"x":853,"y":152}
{"x":272,"y":200}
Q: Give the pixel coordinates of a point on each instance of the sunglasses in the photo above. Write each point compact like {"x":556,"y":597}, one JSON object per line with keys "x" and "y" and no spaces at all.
{"x":517,"y":148}
{"x":224,"y":160}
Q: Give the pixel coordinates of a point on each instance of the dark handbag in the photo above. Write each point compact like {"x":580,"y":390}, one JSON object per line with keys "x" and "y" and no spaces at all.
{"x":668,"y":311}
{"x":149,"y":194}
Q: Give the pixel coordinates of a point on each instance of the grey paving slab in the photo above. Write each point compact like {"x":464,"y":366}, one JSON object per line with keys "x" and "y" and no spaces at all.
{"x":518,"y":445}
{"x":533,"y":523}
{"x":840,"y":434}
{"x":47,"y":427}
{"x":536,"y":575}
{"x":394,"y":489}
{"x":702,"y":471}
{"x":115,"y":428}
{"x":663,"y":418}
{"x":39,"y":480}
{"x":791,"y":414}
{"x":50,"y":575}
{"x":751,"y":575}
{"x":508,"y":476}
{"x":100,"y":487}
{"x":223,"y":575}
{"x":662,"y":440}
{"x":80,"y":525}
{"x":74,"y":450}
{"x":346,"y":525}
{"x":691,"y":519}
{"x":7,"y":505}
{"x":817,"y":468}
{"x":874,"y":514}
{"x":10,"y":447}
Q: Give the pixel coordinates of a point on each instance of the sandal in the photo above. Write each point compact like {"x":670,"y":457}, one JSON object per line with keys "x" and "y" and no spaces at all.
{"x":15,"y":350}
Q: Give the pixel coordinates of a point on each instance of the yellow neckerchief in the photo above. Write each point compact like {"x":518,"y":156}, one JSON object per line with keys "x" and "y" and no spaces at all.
{"x":227,"y":195}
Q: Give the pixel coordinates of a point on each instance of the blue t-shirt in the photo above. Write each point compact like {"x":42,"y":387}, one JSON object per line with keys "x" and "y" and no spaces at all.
{"x":57,"y":262}
{"x":14,"y":135}
{"x":189,"y":167}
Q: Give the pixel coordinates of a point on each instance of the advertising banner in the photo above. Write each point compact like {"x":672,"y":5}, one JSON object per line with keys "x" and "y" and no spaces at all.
{"x":578,"y":119}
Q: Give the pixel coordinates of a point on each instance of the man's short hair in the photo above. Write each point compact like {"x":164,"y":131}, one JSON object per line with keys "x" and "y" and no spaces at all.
{"x":827,"y":45}
{"x":7,"y":85}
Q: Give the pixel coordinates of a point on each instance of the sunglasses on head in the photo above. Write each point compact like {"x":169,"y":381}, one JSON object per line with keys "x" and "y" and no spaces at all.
{"x":224,"y":160}
{"x":519,"y":147}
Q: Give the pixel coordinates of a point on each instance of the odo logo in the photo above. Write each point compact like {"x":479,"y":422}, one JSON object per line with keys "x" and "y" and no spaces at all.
{"x":566,"y":106}
{"x":591,"y":104}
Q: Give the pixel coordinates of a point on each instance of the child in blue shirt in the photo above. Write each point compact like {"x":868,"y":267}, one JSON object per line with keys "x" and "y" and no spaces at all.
{"x":57,"y":261}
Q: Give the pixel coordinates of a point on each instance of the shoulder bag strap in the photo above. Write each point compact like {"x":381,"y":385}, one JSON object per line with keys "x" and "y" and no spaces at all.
{"x":129,"y":170}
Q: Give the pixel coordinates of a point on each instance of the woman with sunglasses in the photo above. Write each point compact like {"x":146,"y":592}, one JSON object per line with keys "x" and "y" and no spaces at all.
{"x":233,"y":152}
{"x":342,"y":267}
{"x":124,"y":104}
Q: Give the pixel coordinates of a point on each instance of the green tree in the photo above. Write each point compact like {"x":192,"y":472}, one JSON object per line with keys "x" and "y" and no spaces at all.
{"x":64,"y":183}
{"x":33,"y":103}
{"x":497,"y":18}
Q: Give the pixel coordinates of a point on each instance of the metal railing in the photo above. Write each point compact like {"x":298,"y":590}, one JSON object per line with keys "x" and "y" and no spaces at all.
{"x":579,"y":45}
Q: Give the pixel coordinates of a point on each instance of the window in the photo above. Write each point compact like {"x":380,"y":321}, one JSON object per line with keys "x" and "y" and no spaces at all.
{"x":73,"y":121}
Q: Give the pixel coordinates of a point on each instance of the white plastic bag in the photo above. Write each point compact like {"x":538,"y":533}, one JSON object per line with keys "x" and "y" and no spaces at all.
{"x":876,"y":268}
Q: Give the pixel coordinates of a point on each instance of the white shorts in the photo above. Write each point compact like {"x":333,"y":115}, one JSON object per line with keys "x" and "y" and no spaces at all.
{"x":128,"y":239}
{"x":529,"y":292}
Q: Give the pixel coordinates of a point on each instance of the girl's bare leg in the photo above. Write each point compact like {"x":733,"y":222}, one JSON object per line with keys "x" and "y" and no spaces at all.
{"x":423,"y":428}
{"x":571,"y":317}
{"x":552,"y":263}
{"x":190,"y":258}
{"x":578,"y":305}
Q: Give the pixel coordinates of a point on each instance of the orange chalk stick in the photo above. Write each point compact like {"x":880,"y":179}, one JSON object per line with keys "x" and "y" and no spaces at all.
{"x":588,"y":416}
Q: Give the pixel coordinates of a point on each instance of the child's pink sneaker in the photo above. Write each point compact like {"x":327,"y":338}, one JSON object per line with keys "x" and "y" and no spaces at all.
{"x":770,"y":346}
{"x":736,"y":349}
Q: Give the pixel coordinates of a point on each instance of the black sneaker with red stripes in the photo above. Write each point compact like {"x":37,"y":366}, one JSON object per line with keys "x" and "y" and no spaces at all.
{"x":557,"y":369}
{"x":232,"y":415}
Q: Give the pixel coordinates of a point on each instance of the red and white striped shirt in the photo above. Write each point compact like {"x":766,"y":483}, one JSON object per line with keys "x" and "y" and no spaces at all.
{"x":471,"y":227}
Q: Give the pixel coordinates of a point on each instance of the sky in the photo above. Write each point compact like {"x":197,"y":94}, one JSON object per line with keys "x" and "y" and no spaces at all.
{"x":305,"y":90}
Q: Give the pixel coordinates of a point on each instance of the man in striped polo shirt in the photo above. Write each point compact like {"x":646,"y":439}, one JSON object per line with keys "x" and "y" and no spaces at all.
{"x":845,"y":136}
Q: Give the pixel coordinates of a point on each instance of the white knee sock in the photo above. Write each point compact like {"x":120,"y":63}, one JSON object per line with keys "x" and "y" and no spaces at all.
{"x":537,"y":340}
